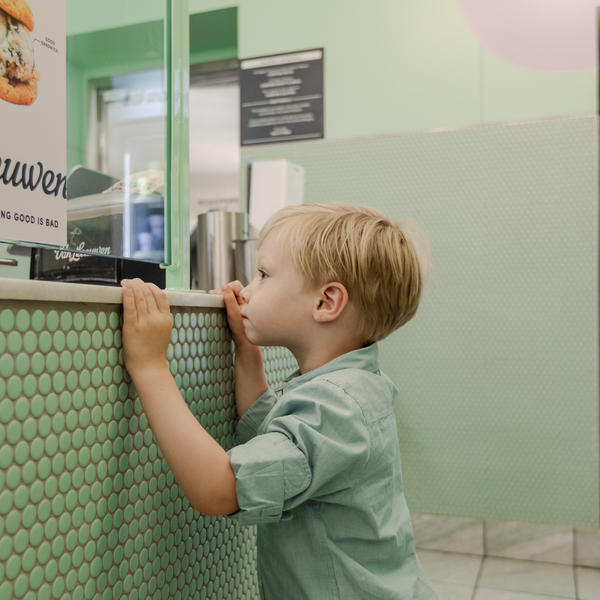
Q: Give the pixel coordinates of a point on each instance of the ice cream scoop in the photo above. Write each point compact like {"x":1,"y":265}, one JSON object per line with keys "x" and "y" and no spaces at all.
{"x":17,"y":52}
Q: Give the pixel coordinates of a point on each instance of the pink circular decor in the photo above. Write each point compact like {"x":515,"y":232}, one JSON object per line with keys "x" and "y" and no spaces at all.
{"x":550,"y":35}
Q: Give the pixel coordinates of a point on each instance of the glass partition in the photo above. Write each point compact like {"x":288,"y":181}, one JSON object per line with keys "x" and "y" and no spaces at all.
{"x":117,"y":113}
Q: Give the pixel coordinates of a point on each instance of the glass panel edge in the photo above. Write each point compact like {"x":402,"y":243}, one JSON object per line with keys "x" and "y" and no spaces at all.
{"x":177,"y":249}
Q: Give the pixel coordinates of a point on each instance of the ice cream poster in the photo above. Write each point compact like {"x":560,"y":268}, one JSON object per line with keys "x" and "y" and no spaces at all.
{"x":33,"y":133}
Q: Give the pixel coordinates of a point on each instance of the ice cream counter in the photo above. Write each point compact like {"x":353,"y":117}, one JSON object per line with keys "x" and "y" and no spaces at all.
{"x":88,"y":505}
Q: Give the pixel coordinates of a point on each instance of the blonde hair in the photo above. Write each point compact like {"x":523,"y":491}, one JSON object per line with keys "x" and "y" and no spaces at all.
{"x":377,"y":261}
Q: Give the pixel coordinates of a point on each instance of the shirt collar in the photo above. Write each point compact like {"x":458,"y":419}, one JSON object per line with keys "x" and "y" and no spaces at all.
{"x":366,"y":358}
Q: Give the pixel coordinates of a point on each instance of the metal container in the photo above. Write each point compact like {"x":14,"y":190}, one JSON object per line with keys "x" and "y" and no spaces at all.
{"x":245,"y":260}
{"x":215,"y":234}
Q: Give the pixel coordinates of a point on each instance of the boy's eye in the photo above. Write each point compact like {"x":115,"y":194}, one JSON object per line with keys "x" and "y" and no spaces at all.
{"x":261,"y":274}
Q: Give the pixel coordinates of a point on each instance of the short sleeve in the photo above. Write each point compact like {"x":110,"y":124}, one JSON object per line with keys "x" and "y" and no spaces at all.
{"x":253,"y":418}
{"x":314,"y":442}
{"x":269,"y":470}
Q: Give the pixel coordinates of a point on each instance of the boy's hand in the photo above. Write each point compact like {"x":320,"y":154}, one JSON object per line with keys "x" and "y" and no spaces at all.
{"x":146,"y":326}
{"x":250,"y":380}
{"x":232,"y":298}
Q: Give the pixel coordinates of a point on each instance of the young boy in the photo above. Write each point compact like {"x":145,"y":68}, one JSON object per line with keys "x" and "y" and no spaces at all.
{"x":318,"y":465}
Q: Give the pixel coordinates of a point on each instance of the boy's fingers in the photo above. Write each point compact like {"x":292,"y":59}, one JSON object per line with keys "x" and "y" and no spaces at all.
{"x":129,"y":311}
{"x":140,"y":299}
{"x":149,"y":298}
{"x":160,"y":298}
{"x":230,"y":300}
{"x":236,"y":287}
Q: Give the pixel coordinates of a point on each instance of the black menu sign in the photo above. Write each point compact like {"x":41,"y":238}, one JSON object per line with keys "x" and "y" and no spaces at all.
{"x":282,"y":97}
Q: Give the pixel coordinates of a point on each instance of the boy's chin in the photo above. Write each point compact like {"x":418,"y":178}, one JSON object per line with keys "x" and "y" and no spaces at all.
{"x":261,"y":340}
{"x":257,"y":340}
{"x":252,"y":336}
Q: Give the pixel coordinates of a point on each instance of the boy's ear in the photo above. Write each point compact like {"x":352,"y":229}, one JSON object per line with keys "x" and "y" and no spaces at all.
{"x":332,"y":299}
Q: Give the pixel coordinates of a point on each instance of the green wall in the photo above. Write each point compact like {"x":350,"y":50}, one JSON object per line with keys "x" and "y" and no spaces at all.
{"x":397,"y":65}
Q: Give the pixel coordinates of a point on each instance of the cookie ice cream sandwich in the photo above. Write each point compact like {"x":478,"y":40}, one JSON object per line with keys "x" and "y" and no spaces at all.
{"x":18,"y":75}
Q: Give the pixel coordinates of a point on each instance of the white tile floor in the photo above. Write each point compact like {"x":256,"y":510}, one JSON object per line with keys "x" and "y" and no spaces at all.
{"x":469,"y":577}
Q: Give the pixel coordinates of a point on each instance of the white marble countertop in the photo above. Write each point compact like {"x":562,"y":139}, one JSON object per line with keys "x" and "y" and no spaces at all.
{"x":51,"y":291}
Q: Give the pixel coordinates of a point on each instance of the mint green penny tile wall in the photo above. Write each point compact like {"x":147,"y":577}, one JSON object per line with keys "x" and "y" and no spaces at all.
{"x":88,"y":506}
{"x":498,"y":372}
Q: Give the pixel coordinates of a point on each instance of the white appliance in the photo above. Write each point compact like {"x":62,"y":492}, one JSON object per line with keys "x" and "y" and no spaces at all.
{"x":272,"y":185}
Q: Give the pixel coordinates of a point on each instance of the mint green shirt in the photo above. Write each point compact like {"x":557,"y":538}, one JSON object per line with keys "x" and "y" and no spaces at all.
{"x":318,"y":470}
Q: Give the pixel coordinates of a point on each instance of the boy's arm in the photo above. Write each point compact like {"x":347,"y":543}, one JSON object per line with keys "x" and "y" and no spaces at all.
{"x":250,"y":379}
{"x":199,"y":464}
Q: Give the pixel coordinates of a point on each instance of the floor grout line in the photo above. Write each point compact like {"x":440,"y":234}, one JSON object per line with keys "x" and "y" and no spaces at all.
{"x":478,"y":578}
{"x":575,"y":565}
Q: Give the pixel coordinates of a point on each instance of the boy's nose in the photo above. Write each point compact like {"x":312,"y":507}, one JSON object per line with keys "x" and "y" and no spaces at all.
{"x":244,"y":294}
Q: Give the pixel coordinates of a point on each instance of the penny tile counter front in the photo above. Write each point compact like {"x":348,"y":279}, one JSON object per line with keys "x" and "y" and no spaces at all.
{"x":88,"y":506}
